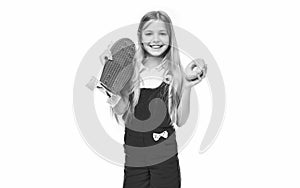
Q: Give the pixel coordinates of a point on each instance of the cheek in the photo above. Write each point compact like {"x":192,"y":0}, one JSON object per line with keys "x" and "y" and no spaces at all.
{"x":165,"y":40}
{"x":146,"y":39}
{"x":145,"y":46}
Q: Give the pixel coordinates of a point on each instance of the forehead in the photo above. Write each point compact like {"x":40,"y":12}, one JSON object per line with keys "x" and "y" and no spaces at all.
{"x":154,"y":25}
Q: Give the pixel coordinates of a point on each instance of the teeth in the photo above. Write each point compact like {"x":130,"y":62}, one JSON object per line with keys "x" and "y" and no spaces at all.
{"x":156,"y":46}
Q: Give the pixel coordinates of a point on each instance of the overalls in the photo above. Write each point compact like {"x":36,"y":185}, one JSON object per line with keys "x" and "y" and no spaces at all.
{"x":158,"y":168}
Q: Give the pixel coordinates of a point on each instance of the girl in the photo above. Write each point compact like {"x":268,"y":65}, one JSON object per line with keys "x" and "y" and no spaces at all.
{"x":157,"y":57}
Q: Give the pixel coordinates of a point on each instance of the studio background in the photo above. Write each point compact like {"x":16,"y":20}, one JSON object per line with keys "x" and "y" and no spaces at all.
{"x":256,"y":46}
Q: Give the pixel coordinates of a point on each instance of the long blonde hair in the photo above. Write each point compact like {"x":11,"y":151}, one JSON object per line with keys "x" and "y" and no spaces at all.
{"x":171,"y":62}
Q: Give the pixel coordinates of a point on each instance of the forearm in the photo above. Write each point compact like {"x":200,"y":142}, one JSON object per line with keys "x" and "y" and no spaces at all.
{"x":184,"y":107}
{"x":121,"y":107}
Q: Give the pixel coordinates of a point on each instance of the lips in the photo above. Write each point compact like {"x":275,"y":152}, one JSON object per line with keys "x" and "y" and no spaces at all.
{"x":155,"y":46}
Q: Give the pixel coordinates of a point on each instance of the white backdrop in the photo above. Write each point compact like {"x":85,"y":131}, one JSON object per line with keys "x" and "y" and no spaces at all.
{"x":255,"y":43}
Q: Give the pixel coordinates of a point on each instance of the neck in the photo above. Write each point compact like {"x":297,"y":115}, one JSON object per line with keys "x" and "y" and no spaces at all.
{"x":152,"y":61}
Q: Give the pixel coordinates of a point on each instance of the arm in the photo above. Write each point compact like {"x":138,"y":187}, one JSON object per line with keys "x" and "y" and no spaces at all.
{"x":184,"y":107}
{"x":121,"y":107}
{"x":191,"y":78}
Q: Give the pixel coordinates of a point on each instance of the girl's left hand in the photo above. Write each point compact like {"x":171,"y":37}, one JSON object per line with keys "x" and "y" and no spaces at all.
{"x":195,"y":72}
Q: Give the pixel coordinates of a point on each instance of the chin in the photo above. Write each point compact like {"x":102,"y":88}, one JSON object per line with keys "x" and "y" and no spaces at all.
{"x":155,"y":54}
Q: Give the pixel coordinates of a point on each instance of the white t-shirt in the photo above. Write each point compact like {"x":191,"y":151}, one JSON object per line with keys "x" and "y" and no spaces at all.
{"x":152,"y":77}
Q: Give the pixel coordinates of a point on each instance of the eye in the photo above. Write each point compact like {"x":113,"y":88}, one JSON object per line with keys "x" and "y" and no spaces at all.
{"x":148,"y":34}
{"x":163,"y":33}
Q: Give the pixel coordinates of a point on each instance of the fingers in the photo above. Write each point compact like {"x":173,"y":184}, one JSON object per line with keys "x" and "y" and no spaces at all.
{"x":113,"y":100}
{"x":196,"y":81}
{"x":103,"y":57}
{"x":195,"y":72}
{"x":201,"y":68}
{"x":191,"y":77}
{"x":191,"y":83}
{"x":106,"y":55}
{"x":109,"y":55}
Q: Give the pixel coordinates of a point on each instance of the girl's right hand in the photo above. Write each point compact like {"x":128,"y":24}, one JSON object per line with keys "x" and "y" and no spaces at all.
{"x":113,"y":100}
{"x":106,"y":55}
{"x":120,"y":105}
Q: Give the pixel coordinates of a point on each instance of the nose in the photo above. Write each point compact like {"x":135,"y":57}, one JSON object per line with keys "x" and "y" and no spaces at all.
{"x":156,"y":38}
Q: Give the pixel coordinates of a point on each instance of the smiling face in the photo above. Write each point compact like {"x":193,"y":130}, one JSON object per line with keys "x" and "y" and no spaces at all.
{"x":155,"y":38}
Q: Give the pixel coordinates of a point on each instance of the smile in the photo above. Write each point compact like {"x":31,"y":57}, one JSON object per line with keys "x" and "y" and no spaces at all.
{"x":156,"y":46}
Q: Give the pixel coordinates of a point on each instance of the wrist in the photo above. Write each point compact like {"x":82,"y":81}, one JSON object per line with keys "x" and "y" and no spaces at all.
{"x":113,"y":100}
{"x":185,"y":85}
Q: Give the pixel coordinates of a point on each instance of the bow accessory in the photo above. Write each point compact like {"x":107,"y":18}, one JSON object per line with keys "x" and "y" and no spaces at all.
{"x":156,"y":136}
